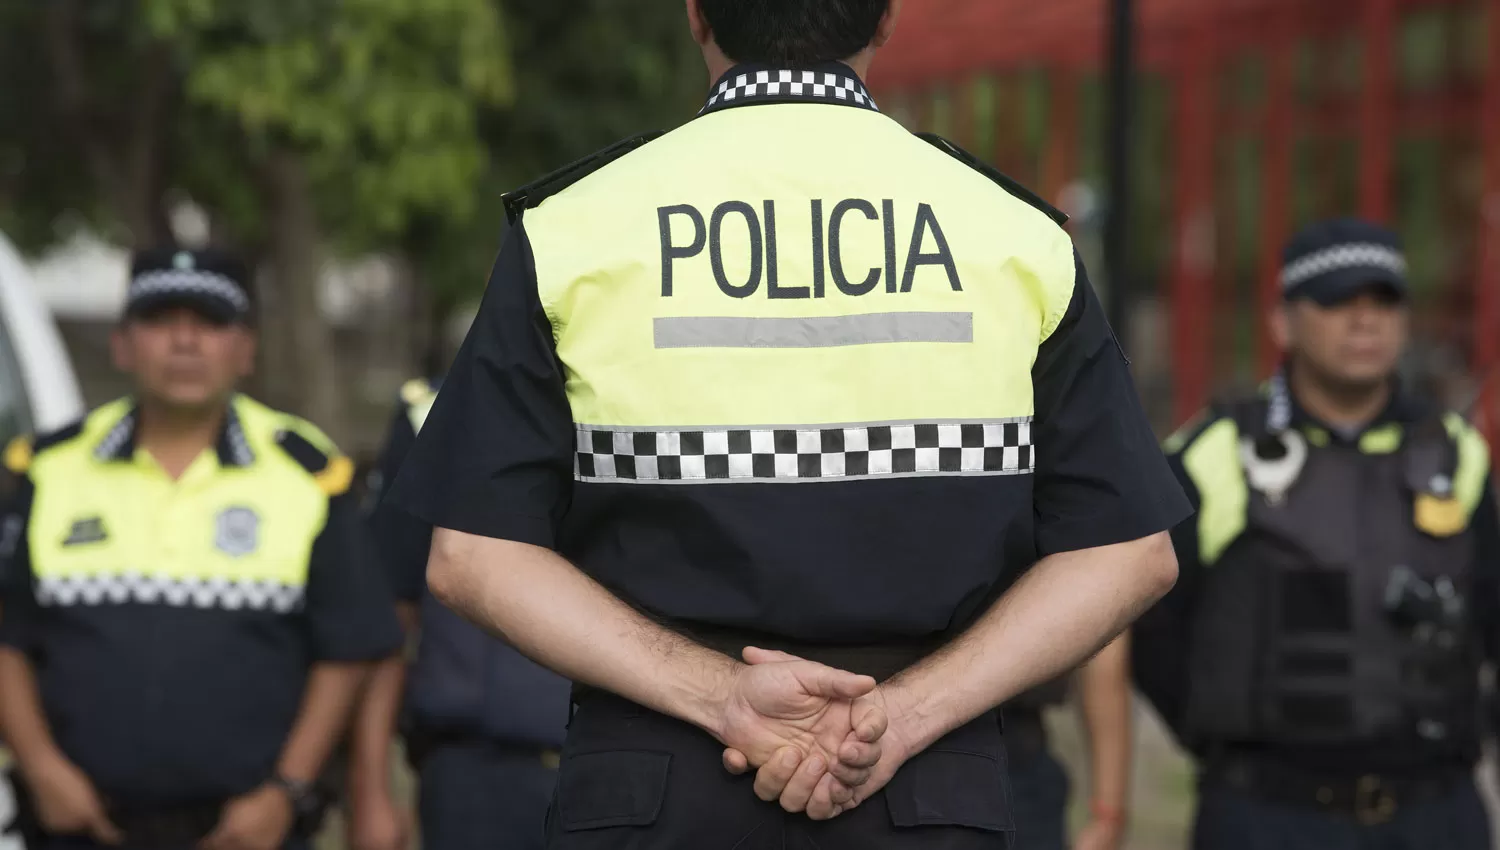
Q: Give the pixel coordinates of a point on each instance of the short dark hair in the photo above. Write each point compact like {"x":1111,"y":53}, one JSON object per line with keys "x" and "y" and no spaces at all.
{"x":793,"y":32}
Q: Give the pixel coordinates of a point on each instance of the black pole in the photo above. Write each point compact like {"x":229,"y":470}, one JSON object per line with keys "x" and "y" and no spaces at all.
{"x":1117,"y":159}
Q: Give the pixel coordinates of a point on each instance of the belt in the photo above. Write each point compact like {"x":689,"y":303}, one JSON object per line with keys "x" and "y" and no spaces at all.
{"x":880,"y":661}
{"x":421,"y":744}
{"x":178,"y":826}
{"x":1370,"y":799}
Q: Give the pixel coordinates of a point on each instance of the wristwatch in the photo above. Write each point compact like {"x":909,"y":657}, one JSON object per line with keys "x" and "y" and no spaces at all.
{"x":302,"y":795}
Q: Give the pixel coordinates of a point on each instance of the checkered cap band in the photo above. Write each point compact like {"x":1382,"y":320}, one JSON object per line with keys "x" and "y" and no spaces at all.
{"x":812,"y":86}
{"x":189,"y":282}
{"x":1354,"y":255}
{"x":212,"y":593}
{"x":786,"y":455}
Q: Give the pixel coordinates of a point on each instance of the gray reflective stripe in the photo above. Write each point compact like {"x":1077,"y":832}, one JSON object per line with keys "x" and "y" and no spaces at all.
{"x":816,"y":332}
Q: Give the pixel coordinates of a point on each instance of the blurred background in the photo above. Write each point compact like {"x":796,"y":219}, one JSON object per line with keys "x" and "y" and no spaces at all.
{"x":356,"y":150}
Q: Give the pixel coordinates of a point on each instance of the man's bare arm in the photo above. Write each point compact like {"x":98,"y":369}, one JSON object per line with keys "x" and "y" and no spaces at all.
{"x":373,"y":732}
{"x":327,"y":705}
{"x":1061,"y":611}
{"x":563,"y":620}
{"x":553,"y":613}
{"x":1105,"y":699}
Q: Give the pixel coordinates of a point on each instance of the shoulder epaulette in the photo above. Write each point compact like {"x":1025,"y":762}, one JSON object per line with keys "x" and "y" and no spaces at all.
{"x":20,"y":451}
{"x":416,"y":391}
{"x":334,"y":473}
{"x":534,"y":193}
{"x":1005,"y":182}
{"x":1193,"y":429}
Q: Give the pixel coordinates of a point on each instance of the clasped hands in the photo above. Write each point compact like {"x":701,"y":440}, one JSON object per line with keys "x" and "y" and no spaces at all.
{"x":821,"y":740}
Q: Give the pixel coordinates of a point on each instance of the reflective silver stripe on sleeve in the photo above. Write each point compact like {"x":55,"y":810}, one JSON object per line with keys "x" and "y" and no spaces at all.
{"x":815,"y":332}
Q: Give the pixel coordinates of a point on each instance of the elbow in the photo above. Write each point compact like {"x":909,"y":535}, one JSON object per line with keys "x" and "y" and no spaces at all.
{"x":1159,"y":566}
{"x":446,"y":576}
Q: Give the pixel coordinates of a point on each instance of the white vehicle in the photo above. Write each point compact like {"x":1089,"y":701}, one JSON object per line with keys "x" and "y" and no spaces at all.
{"x":38,"y":390}
{"x":38,"y":393}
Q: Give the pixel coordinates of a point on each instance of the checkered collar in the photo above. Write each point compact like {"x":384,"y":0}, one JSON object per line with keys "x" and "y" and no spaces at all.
{"x":831,"y":82}
{"x":232,"y":448}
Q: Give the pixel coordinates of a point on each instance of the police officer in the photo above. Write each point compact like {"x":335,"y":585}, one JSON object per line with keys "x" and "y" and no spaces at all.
{"x":1339,"y":590}
{"x":1040,"y":784}
{"x":187,"y":612}
{"x":769,"y":410}
{"x":484,"y":724}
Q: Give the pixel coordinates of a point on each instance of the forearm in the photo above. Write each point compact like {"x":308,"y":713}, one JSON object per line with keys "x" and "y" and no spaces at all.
{"x":1104,"y":694}
{"x":22,"y":721}
{"x":1062,"y":611}
{"x":563,"y":620}
{"x":328,"y":702}
{"x":374,"y":727}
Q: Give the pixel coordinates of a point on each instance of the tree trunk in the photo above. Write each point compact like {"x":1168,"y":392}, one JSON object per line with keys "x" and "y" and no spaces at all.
{"x":300,"y":342}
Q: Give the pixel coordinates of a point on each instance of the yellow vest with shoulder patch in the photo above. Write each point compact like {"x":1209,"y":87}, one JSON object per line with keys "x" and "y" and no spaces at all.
{"x":118,"y":529}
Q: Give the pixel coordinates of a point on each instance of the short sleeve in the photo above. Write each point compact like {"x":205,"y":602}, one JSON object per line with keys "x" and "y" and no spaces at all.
{"x":19,"y":612}
{"x":401,"y":540}
{"x":350,"y":614}
{"x":495,"y":456}
{"x":1101,"y":479}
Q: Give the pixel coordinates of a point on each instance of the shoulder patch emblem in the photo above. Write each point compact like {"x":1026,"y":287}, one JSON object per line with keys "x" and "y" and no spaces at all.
{"x":237,"y":531}
{"x":18,"y":455}
{"x":334,"y":474}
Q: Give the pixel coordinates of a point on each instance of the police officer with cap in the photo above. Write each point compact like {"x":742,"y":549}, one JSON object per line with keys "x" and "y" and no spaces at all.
{"x":1340,"y":584}
{"x":483,"y":724}
{"x":188,"y":609}
{"x":799,"y":443}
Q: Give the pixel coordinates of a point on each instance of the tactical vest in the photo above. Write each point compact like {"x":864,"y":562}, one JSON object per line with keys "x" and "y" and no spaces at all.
{"x":466,"y":682}
{"x":1304,"y":633}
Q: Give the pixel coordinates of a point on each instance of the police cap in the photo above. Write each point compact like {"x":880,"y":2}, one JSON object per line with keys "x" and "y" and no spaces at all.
{"x":1333,"y":261}
{"x":212,"y":282}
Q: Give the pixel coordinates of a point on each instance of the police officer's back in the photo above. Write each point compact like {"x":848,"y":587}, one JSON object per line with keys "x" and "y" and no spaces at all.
{"x":187,"y":609}
{"x":789,"y":376}
{"x":1321,"y":653}
{"x":483,"y":724}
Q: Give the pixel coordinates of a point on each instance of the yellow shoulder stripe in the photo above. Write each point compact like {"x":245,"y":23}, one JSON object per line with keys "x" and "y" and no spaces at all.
{"x":1473,"y":462}
{"x":1213,"y":463}
{"x":337,"y":476}
{"x":18,"y":455}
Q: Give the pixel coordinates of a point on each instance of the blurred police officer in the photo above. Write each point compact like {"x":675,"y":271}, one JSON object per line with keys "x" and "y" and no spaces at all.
{"x":187,"y":612}
{"x":1339,"y":588}
{"x":794,"y":385}
{"x":483,"y":724}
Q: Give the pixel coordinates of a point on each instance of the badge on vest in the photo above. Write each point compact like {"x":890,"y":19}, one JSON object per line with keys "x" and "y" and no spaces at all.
{"x":85,"y":531}
{"x":238,"y":532}
{"x":1440,"y":516}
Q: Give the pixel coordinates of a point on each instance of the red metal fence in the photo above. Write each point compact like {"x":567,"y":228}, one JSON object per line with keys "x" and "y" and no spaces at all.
{"x":1385,"y":108}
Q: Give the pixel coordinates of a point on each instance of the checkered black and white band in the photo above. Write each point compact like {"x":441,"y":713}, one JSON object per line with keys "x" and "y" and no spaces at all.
{"x":813,"y":86}
{"x":189,"y":282}
{"x":786,"y":455}
{"x":175,"y":592}
{"x":1354,"y":255}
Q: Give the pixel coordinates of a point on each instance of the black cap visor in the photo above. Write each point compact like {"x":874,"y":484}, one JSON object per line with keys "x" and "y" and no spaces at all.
{"x":1335,"y":288}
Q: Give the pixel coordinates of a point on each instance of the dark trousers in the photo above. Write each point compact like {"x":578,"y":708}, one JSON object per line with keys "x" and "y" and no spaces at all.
{"x":481,"y":797}
{"x":632,"y":779}
{"x":1038,"y":795}
{"x":1233,"y":820}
